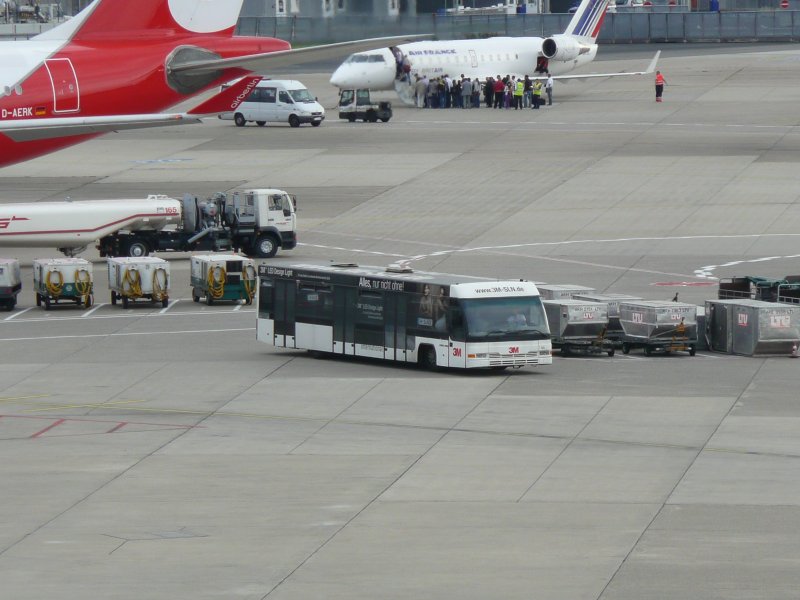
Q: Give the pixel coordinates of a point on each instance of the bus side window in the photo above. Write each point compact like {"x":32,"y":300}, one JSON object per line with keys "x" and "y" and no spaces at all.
{"x":265,"y":299}
{"x":458,"y":332}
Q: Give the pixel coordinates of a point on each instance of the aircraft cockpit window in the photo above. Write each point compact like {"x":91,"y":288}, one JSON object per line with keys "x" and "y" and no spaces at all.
{"x":360,"y":58}
{"x":376,"y":58}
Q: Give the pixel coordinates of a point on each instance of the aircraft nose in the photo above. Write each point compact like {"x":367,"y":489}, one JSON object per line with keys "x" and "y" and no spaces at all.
{"x":376,"y":76}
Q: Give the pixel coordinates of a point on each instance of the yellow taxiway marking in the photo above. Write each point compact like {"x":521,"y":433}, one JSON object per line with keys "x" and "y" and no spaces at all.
{"x":14,"y":398}
{"x":66,"y":406}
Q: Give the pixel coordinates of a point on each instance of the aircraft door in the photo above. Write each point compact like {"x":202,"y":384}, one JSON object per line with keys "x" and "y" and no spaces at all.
{"x":458,"y":335}
{"x":66,"y":94}
{"x":473,"y":59}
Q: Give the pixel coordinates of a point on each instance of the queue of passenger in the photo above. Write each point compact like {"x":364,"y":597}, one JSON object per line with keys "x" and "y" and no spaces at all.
{"x":497,"y":92}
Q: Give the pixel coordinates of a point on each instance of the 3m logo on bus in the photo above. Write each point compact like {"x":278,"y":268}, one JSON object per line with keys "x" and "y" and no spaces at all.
{"x":456,"y":351}
{"x":513,"y":350}
{"x":742,"y":319}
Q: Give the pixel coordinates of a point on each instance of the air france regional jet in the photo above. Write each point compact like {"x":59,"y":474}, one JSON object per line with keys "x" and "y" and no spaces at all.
{"x":396,"y":66}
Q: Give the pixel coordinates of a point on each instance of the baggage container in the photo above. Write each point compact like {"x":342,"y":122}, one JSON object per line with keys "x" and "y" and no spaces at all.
{"x":752,"y":327}
{"x":658,"y":326}
{"x":578,"y":326}
{"x":562,"y":292}
{"x":223,"y":277}
{"x":10,"y":282}
{"x":614,"y":331}
{"x":139,"y":279}
{"x":63,"y":280}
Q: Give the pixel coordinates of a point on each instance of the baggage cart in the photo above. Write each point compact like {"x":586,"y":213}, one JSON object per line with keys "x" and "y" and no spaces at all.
{"x":223,"y":277}
{"x":10,"y":282}
{"x":578,"y":326}
{"x":752,"y":327}
{"x":658,"y":326}
{"x":550,"y":291}
{"x":614,"y":331}
{"x":138,"y":279}
{"x":63,"y":281}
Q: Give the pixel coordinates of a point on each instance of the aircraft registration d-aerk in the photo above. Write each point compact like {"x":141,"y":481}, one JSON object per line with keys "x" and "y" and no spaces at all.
{"x":396,"y":66}
{"x":119,"y":63}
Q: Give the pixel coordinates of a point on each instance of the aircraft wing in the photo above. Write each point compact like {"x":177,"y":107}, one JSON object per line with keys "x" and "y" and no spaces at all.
{"x":26,"y":130}
{"x":651,"y":68}
{"x":296,"y":56}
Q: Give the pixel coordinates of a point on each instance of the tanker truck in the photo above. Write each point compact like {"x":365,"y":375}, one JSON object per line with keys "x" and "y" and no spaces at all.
{"x":256,"y":222}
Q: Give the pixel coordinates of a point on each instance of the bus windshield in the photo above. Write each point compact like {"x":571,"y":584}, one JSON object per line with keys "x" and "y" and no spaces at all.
{"x":507,"y":318}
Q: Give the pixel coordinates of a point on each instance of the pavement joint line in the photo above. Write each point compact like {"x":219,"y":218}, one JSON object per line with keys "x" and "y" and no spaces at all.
{"x":168,"y":306}
{"x":121,"y":334}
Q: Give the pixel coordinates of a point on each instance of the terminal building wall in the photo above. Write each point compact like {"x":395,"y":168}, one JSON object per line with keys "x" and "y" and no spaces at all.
{"x":619,"y":28}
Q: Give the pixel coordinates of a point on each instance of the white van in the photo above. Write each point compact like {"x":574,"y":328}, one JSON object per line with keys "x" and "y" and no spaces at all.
{"x":275,"y":101}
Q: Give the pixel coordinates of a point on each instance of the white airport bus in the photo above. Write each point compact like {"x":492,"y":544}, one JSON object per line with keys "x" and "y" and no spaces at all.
{"x":398,"y":314}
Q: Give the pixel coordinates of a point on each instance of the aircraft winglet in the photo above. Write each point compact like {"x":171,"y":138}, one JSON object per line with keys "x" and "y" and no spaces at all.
{"x":228,"y":99}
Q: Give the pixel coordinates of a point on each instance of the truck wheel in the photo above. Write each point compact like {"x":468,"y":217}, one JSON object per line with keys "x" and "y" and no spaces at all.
{"x":238,"y":118}
{"x":294,"y":121}
{"x":195,"y":298}
{"x":136,"y":248}
{"x":261,"y":123}
{"x":351,"y":118}
{"x":266,"y":247}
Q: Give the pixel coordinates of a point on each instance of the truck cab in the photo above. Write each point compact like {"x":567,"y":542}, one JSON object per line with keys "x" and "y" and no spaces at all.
{"x":358,"y":104}
{"x":269,"y":213}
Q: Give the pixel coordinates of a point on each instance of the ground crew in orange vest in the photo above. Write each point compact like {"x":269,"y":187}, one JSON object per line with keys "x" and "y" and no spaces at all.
{"x":660,"y":83}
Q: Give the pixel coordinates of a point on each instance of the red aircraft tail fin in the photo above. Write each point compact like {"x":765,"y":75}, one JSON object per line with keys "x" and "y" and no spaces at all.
{"x":228,"y":99}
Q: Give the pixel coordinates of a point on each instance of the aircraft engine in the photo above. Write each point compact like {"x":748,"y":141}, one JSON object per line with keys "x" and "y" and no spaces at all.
{"x":563,"y":48}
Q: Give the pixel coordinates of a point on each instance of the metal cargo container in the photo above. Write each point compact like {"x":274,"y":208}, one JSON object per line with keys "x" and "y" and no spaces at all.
{"x":561,"y":292}
{"x":10,"y":282}
{"x":614,"y":330}
{"x":658,"y":325}
{"x":751,"y":327}
{"x":578,"y":325}
{"x":57,"y":280}
{"x":223,"y":277}
{"x":138,"y":278}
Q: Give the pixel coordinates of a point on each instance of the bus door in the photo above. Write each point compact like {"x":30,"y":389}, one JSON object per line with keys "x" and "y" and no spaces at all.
{"x":344,"y":335}
{"x":401,"y":314}
{"x":458,"y":335}
{"x":284,"y":313}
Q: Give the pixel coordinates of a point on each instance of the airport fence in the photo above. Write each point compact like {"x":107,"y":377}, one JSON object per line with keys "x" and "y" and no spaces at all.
{"x":619,"y":28}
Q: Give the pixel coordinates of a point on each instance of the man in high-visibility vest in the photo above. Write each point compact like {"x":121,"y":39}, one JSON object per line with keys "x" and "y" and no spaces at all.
{"x":660,"y":83}
{"x":537,"y":93}
{"x":519,"y":89}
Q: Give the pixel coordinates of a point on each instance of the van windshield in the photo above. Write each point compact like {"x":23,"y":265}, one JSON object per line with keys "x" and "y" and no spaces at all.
{"x":301,"y":95}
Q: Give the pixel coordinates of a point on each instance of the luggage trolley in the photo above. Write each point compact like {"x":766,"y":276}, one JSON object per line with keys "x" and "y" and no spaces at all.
{"x":658,"y":326}
{"x":578,"y":326}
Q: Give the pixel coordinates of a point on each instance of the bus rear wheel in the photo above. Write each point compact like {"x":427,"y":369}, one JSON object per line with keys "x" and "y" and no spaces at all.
{"x":427,"y":358}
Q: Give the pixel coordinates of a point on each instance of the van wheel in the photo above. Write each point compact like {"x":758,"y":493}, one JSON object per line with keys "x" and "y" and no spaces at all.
{"x":294,"y":121}
{"x":238,"y":118}
{"x":261,"y":123}
{"x":266,"y":247}
{"x":316,"y":123}
{"x":351,"y":118}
